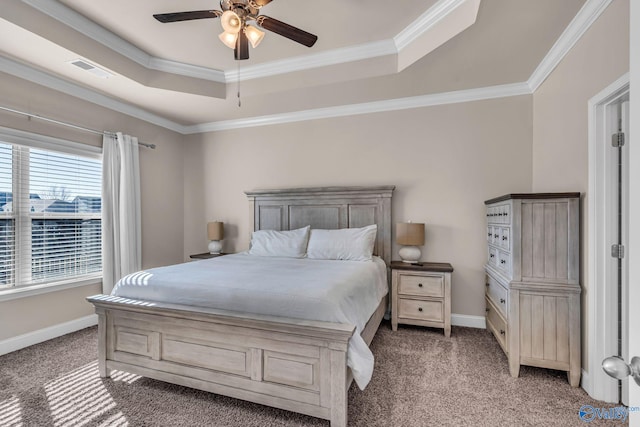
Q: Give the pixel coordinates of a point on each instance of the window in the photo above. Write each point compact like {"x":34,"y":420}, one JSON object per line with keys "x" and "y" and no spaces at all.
{"x":50,"y":215}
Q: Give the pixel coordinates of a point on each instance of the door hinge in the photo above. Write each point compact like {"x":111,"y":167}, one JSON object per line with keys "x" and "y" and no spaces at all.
{"x":617,"y":139}
{"x":617,"y":251}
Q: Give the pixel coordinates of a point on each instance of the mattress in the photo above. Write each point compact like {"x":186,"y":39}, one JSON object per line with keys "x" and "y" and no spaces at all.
{"x":310,"y":289}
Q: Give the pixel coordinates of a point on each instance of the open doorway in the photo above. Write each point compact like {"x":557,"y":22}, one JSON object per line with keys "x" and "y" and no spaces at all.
{"x":608,"y":234}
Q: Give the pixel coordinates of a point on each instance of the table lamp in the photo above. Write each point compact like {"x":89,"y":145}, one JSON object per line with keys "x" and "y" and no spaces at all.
{"x":410,"y":235}
{"x":215,"y":231}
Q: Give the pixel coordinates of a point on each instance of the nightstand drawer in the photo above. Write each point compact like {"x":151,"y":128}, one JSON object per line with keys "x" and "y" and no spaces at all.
{"x":421,"y":295}
{"x":423,"y":285}
{"x":421,"y":310}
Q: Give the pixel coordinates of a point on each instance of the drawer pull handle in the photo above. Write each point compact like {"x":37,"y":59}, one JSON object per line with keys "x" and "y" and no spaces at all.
{"x":492,"y":256}
{"x":502,"y":301}
{"x":486,"y":310}
{"x":501,"y":331}
{"x":495,"y":235}
{"x":504,"y":237}
{"x":487,"y":284}
{"x":419,"y":285}
{"x":502,"y":261}
{"x":419,"y":308}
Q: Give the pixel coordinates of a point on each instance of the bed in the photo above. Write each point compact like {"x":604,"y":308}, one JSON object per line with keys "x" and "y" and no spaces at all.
{"x":284,"y":362}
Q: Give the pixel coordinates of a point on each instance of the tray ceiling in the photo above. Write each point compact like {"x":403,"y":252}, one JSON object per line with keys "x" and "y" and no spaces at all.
{"x":366,"y":51}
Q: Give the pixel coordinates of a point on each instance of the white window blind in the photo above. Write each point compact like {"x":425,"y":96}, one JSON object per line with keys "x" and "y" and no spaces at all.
{"x":52,"y":216}
{"x":7,"y":220}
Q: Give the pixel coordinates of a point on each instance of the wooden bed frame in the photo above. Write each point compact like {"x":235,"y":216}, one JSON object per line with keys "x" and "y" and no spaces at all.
{"x":292,"y":364}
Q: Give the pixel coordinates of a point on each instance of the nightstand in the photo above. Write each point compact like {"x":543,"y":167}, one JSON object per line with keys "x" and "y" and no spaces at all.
{"x":205,"y":255}
{"x":421,"y":295}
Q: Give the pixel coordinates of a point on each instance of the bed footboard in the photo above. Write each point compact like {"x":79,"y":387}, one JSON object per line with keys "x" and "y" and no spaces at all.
{"x":291,"y":364}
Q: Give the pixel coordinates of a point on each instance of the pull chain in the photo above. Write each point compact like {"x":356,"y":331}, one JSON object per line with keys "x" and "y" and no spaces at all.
{"x":239,"y":101}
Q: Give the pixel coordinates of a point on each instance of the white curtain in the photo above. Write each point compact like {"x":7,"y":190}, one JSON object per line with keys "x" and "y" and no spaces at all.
{"x":121,"y":224}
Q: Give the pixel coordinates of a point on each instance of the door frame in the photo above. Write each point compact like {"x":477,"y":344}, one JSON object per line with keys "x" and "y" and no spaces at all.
{"x":602,"y":328}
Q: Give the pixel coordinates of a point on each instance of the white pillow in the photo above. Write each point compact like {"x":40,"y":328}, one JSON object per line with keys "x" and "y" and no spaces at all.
{"x":291,"y":243}
{"x":352,"y":244}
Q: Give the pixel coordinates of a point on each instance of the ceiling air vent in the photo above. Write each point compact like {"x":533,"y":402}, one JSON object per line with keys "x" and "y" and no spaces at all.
{"x":90,"y":68}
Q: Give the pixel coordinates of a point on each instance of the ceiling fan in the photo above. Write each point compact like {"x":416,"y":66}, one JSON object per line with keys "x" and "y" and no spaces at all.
{"x":235,"y":17}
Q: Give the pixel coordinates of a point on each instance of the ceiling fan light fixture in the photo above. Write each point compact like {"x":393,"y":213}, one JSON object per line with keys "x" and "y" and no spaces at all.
{"x":231,"y":22}
{"x":235,"y":17}
{"x":254,"y":35}
{"x":229,"y":39}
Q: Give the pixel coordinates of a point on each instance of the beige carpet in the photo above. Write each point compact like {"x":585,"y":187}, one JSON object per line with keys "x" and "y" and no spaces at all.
{"x":421,"y":379}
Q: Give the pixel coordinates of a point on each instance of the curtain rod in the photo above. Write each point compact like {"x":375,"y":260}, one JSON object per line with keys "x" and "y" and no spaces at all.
{"x":58,"y":122}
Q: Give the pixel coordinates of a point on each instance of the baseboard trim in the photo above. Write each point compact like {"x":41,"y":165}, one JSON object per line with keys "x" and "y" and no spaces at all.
{"x":468,"y":321}
{"x":41,"y":335}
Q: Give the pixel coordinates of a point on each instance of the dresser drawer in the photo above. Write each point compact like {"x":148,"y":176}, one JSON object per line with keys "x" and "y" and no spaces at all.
{"x":497,"y":293}
{"x":499,"y":214}
{"x":421,"y":310}
{"x":492,"y":257}
{"x":495,"y":238}
{"x":505,"y":238}
{"x":422,"y":285}
{"x":497,"y":325}
{"x":503,"y":261}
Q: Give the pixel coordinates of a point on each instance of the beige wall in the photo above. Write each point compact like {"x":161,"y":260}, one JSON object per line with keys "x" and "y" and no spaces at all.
{"x":444,"y":161}
{"x":161,"y":188}
{"x":560,"y":128}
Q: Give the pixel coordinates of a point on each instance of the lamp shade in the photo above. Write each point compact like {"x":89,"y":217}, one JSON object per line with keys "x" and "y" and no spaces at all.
{"x":410,"y":233}
{"x":231,"y":22}
{"x":229,"y":39}
{"x":254,"y":35}
{"x":215,"y":230}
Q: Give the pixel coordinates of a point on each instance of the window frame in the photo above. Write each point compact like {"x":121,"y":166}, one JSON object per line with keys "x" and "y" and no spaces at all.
{"x":44,"y":142}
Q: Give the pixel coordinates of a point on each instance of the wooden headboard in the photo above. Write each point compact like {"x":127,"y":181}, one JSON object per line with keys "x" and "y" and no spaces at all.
{"x":327,"y":208}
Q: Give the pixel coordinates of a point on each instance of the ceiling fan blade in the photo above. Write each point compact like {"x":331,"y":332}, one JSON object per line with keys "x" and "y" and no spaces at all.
{"x":286,"y":30}
{"x":242,"y":47}
{"x":187,"y":16}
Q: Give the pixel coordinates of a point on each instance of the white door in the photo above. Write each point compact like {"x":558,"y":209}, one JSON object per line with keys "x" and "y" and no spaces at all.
{"x":628,"y":368}
{"x":608,"y":227}
{"x":633,"y":300}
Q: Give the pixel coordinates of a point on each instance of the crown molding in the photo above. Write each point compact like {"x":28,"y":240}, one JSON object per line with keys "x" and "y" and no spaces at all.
{"x":574,"y":31}
{"x":31,"y":74}
{"x":85,"y":26}
{"x":315,"y":60}
{"x":579,"y":25}
{"x":78,"y":22}
{"x":479,"y":94}
{"x":187,"y":70}
{"x":425,"y":22}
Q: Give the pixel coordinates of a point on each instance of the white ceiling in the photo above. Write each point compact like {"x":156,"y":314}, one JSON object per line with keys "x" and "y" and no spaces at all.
{"x":366,"y":51}
{"x":337,"y":23}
